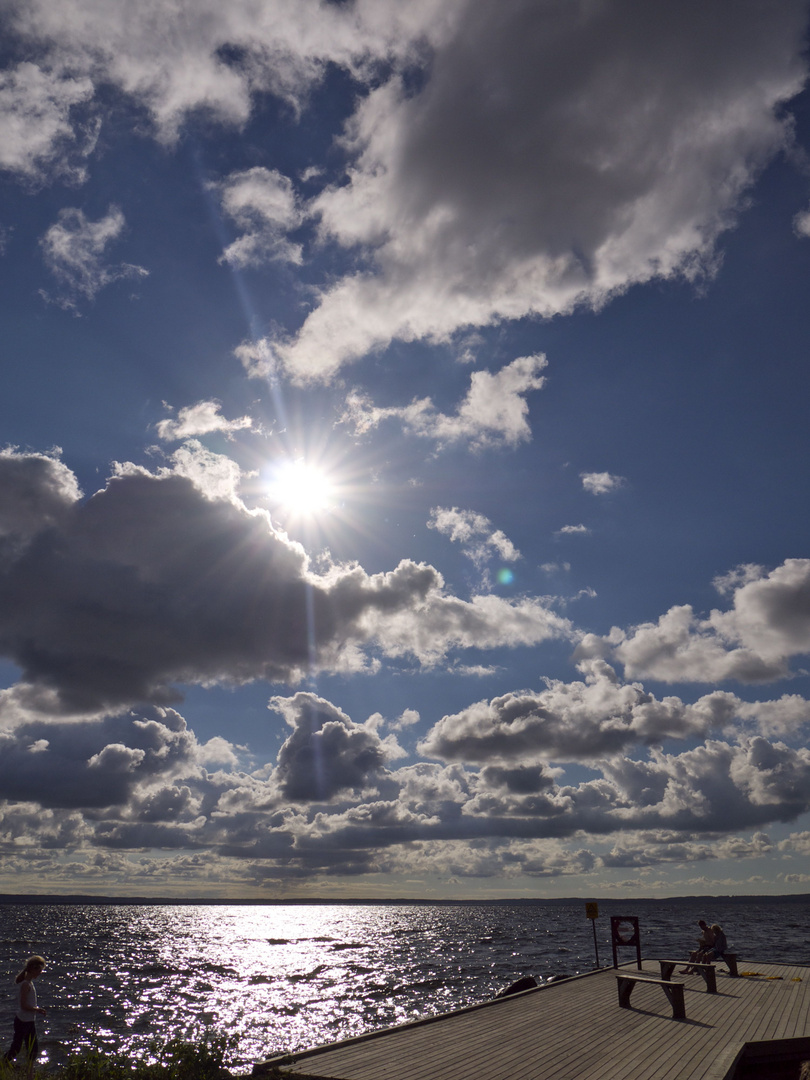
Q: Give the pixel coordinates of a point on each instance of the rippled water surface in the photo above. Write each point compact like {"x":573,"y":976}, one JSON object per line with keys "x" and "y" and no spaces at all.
{"x":286,"y":977}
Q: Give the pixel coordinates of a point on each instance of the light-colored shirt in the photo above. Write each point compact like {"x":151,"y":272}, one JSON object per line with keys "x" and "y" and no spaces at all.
{"x":28,"y":1014}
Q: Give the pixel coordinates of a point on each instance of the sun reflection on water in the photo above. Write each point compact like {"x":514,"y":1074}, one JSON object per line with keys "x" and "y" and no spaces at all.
{"x":291,"y":976}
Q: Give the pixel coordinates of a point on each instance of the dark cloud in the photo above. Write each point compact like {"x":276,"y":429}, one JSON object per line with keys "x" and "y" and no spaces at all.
{"x":334,"y":804}
{"x":156,"y":580}
{"x":37,"y":491}
{"x":519,"y":780}
{"x":327,"y":753}
{"x":169,"y":577}
{"x":96,"y":765}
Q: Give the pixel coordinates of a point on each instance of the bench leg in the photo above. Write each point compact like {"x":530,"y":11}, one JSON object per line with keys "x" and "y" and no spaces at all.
{"x":710,"y":975}
{"x":675,"y":995}
{"x":625,"y":990}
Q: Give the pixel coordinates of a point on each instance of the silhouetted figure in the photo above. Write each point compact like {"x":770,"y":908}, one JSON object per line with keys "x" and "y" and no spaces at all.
{"x":25,"y":1028}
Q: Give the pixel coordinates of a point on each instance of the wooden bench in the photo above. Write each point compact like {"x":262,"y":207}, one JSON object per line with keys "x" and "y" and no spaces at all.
{"x":706,"y":970}
{"x":730,"y":960}
{"x":674,"y":991}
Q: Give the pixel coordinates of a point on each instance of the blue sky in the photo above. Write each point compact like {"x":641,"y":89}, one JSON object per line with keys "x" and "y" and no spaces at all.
{"x":405,"y":453}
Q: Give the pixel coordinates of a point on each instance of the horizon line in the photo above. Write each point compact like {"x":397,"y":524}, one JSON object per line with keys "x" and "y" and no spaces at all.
{"x":101,"y":899}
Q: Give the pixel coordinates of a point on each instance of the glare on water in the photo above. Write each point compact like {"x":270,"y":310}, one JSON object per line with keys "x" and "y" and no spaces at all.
{"x":289,"y":976}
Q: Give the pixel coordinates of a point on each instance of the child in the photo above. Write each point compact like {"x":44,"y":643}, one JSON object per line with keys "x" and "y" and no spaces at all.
{"x":25,"y":1028}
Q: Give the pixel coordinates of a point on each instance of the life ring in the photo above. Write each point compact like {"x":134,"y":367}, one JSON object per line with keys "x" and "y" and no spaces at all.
{"x":619,"y":933}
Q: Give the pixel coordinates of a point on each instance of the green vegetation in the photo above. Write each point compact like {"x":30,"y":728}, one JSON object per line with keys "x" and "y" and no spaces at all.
{"x":206,"y":1058}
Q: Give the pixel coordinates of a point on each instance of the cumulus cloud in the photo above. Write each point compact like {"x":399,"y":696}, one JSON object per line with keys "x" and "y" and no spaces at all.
{"x":754,"y":641}
{"x":493,"y":413}
{"x":798,"y":843}
{"x":167,"y":578}
{"x":200,"y":419}
{"x":771,"y":613}
{"x":661,"y":846}
{"x":681,"y":647}
{"x":479,"y":541}
{"x":95,"y":765}
{"x":602,"y":148}
{"x":74,"y":248}
{"x":37,"y":492}
{"x":327,"y":753}
{"x":334,"y":801}
{"x":716,"y":788}
{"x":601,"y":483}
{"x":263,"y":205}
{"x":585,"y":720}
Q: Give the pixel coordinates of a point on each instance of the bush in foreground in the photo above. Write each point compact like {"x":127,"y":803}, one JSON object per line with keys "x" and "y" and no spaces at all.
{"x":207,"y":1058}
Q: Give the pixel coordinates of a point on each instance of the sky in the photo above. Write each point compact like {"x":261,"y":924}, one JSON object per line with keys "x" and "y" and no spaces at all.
{"x":404,"y":448}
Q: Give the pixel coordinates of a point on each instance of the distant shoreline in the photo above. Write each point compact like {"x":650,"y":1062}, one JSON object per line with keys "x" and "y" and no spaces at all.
{"x":611,"y":902}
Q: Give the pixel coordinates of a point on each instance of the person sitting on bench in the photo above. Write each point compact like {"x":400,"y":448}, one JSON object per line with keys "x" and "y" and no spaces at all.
{"x":717,"y":949}
{"x":705,"y":942}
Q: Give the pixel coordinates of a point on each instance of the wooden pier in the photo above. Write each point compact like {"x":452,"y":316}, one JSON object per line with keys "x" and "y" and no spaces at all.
{"x":754,"y":1026}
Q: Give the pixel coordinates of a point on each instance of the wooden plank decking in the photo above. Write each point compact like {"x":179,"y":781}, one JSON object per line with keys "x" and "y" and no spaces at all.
{"x":575,"y":1030}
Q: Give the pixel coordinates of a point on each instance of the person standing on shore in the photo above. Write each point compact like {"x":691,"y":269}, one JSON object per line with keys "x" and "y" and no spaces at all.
{"x":25,"y":1028}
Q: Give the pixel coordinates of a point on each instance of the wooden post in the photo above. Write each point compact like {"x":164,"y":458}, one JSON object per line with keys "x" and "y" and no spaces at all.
{"x":592,"y":913}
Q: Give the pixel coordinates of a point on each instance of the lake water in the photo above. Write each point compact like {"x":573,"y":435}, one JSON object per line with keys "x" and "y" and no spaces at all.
{"x":290,"y":976}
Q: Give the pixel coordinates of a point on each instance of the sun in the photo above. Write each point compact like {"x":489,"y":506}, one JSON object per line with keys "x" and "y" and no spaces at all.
{"x":301,"y":489}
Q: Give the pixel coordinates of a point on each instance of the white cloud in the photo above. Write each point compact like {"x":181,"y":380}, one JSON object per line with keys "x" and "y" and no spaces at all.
{"x":726,"y":584}
{"x":784,"y":716}
{"x":480,"y":542}
{"x":580,"y":720}
{"x":601,"y":483}
{"x":681,"y":647}
{"x":214,"y":475}
{"x":573,"y":530}
{"x":768,"y":625}
{"x":493,"y":413}
{"x":407,"y":719}
{"x":200,"y":419}
{"x":801,"y":223}
{"x":798,"y":843}
{"x":37,"y":134}
{"x":257,"y":358}
{"x":771,"y":613}
{"x":97,"y":763}
{"x":600,"y":150}
{"x":552,"y":158}
{"x":217,"y":57}
{"x":74,"y":249}
{"x":263,"y":204}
